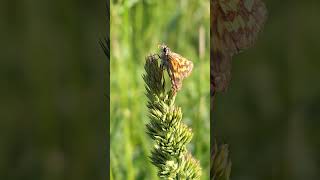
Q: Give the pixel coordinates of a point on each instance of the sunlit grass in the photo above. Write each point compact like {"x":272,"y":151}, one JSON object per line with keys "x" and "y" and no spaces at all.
{"x":136,"y":30}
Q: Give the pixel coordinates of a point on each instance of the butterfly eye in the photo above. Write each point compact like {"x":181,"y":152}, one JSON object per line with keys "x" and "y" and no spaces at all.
{"x":166,"y":50}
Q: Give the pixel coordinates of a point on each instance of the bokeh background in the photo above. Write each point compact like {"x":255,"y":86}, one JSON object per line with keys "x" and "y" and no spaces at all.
{"x":137,"y":27}
{"x":270,"y":115}
{"x":53,"y":118}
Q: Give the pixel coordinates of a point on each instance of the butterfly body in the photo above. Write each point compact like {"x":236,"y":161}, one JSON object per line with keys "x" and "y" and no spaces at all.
{"x":177,"y":66}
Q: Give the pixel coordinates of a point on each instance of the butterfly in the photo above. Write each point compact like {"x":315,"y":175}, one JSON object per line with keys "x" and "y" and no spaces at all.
{"x":177,"y":66}
{"x":234,"y":27}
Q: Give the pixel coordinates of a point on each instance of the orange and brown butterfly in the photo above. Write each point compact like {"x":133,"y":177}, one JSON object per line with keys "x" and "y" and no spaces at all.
{"x":177,"y":66}
{"x":234,"y":27}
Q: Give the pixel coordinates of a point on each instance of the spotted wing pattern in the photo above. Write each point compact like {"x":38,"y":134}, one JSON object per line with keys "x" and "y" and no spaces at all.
{"x":234,"y":27}
{"x":179,"y":68}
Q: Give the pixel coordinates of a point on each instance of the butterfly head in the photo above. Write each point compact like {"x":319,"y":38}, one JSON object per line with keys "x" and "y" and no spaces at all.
{"x":165,"y":50}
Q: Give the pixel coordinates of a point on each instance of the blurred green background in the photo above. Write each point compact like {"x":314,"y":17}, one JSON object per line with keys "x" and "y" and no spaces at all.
{"x":270,"y":116}
{"x":137,"y":27}
{"x":53,"y":81}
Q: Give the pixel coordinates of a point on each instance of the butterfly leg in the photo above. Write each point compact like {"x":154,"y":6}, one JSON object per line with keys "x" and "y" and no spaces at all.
{"x":162,"y":67}
{"x":162,"y":76}
{"x":156,"y":56}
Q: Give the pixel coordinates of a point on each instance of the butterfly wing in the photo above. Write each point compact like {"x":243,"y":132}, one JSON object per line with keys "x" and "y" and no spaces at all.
{"x":179,"y":68}
{"x":236,"y":23}
{"x":234,"y":27}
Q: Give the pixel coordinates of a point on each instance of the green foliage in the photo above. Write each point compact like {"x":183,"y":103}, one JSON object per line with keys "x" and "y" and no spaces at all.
{"x":137,"y":27}
{"x":171,"y":136}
